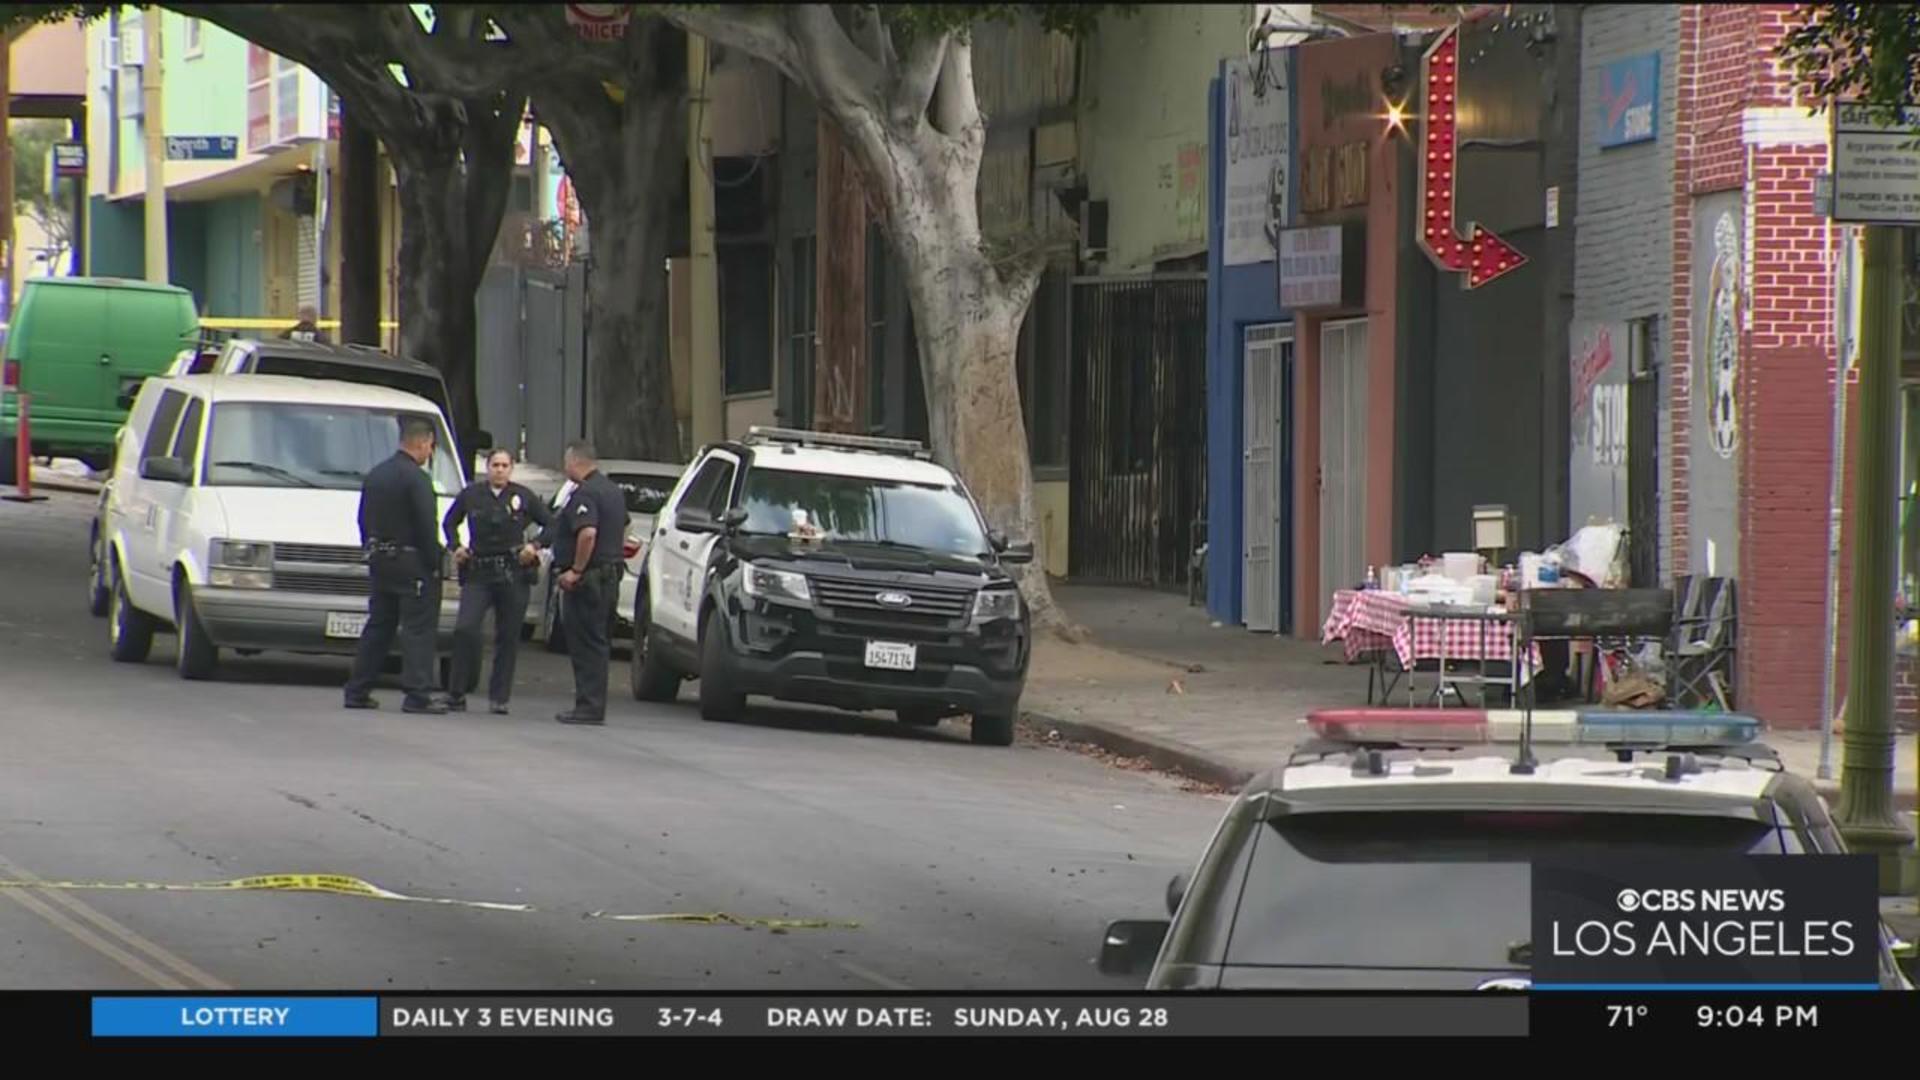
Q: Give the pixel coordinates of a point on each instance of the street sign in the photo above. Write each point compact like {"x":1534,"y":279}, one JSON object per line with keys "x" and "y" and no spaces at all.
{"x":69,"y":159}
{"x":1876,"y":165}
{"x":599,"y":22}
{"x":203,"y":147}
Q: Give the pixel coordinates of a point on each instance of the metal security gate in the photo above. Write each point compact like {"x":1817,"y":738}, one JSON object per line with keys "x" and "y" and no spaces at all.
{"x":1268,"y":369}
{"x":1343,"y":458}
{"x":532,"y":358}
{"x":1139,"y":435}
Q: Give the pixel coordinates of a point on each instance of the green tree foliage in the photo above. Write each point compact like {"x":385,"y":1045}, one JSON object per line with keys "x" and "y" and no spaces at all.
{"x":1866,"y":52}
{"x":32,"y":143}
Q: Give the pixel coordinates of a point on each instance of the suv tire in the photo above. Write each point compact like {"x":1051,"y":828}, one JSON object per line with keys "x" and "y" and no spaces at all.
{"x":129,"y":630}
{"x":993,"y":729}
{"x":197,"y":655}
{"x":652,"y":678}
{"x":99,"y":591}
{"x":718,"y":702}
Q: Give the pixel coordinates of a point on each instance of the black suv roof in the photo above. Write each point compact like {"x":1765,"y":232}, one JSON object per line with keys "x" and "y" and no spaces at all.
{"x":358,"y":355}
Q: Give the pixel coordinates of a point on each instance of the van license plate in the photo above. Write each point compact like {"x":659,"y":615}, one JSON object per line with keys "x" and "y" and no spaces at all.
{"x":345,"y":624}
{"x":892,"y":655}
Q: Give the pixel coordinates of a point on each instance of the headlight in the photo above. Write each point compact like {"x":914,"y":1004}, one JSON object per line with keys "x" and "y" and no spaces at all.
{"x":240,"y":554}
{"x":991,"y":604}
{"x":222,"y":578}
{"x":775,"y":586}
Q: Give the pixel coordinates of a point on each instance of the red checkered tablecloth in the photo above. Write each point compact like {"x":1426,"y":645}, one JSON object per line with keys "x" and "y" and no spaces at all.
{"x":1371,"y":621}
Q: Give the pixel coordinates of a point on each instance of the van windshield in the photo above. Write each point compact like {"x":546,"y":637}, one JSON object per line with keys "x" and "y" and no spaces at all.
{"x":292,"y":444}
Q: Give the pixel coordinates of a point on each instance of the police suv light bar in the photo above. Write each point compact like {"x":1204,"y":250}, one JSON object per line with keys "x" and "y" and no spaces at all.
{"x":1491,"y":727}
{"x":912,"y":447}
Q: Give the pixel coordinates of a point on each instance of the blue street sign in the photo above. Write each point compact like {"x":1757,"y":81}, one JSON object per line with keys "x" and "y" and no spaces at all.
{"x":1629,"y":100}
{"x":203,"y":147}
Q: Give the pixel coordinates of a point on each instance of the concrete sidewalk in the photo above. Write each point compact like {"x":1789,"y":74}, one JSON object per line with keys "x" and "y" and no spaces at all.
{"x":1161,"y":681}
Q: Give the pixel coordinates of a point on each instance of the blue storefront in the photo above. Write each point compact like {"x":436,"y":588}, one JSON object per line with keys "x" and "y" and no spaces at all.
{"x":1249,"y":337}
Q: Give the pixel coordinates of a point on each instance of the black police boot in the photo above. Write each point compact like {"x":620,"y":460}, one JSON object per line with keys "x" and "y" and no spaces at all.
{"x":426,"y":706}
{"x":577,"y":718}
{"x":498,"y":708}
{"x":456,"y":703}
{"x":365,"y":702}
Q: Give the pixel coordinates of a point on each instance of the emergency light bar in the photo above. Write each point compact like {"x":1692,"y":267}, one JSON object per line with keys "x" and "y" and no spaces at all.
{"x":1557,"y":727}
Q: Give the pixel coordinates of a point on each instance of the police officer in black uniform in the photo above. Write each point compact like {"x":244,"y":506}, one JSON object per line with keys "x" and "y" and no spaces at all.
{"x":398,"y":515}
{"x":590,"y":535}
{"x":494,"y":576}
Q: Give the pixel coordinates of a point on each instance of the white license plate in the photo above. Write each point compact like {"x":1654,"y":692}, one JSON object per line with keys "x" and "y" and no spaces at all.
{"x":345,"y":624}
{"x":892,"y":655}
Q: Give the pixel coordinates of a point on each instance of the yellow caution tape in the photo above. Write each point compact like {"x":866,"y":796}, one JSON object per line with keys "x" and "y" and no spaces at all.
{"x":338,"y":884}
{"x":279,"y":324}
{"x":721,"y":918}
{"x":343,"y":885}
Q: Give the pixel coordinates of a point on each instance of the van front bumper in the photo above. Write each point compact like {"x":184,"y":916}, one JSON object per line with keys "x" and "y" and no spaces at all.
{"x":294,"y":622}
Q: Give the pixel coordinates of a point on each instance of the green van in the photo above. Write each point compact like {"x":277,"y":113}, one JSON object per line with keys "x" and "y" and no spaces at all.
{"x":81,"y":347}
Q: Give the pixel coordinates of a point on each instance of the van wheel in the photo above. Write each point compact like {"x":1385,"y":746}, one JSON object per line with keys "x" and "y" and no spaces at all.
{"x":718,"y":702}
{"x":993,"y":730}
{"x":198,"y":655}
{"x":651,"y":677}
{"x":99,"y":593}
{"x":129,"y":630}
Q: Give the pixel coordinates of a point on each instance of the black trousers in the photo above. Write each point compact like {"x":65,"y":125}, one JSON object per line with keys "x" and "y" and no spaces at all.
{"x":409,"y":610}
{"x":504,"y":592}
{"x":586,"y":612}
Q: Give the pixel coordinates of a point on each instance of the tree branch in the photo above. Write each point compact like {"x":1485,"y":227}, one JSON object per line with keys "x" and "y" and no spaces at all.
{"x":844,"y":77}
{"x":919,"y":75}
{"x":758,"y":31}
{"x":956,"y":108}
{"x":875,"y":39}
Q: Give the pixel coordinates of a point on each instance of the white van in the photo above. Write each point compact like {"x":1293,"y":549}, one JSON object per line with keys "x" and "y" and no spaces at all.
{"x":233,"y":514}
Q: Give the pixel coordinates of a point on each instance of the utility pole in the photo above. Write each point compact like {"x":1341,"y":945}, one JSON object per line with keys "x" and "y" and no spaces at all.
{"x":156,"y":178}
{"x":1866,"y":815}
{"x":704,"y":367}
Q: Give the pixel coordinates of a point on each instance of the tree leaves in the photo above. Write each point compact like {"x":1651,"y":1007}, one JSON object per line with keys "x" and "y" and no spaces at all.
{"x":1866,"y":52}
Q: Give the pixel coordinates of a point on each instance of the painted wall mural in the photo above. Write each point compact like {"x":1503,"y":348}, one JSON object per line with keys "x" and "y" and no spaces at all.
{"x":1718,"y":373}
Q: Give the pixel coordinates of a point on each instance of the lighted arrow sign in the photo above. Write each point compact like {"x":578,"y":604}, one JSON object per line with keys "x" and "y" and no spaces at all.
{"x":1481,"y":255}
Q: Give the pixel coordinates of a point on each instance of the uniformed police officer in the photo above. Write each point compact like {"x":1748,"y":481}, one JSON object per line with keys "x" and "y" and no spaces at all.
{"x":587,"y":553}
{"x":494,"y":573}
{"x":397,"y":527}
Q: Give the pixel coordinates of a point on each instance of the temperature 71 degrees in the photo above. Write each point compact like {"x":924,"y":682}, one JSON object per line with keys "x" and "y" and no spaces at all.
{"x":1623,"y":1016}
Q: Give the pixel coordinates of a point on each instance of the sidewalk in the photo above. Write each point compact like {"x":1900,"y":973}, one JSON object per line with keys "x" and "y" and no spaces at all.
{"x":1160,"y":681}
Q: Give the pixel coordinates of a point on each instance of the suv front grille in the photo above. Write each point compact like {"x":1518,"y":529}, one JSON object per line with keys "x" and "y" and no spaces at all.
{"x":333,"y":554}
{"x":336,"y":584}
{"x":932,"y":605}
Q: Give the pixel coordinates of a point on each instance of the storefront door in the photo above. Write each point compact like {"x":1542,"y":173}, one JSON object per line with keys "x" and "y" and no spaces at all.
{"x":1343,"y":458}
{"x":1268,"y":360}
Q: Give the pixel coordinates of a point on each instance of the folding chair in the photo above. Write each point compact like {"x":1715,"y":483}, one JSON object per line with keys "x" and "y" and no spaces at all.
{"x":1701,"y":654}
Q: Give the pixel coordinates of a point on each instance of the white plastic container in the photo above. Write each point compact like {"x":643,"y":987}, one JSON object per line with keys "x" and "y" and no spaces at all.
{"x":1461,"y":566}
{"x":1529,"y":570}
{"x":1485,"y":588}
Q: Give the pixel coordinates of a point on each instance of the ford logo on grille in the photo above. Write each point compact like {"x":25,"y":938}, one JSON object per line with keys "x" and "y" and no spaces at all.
{"x":893,"y":599}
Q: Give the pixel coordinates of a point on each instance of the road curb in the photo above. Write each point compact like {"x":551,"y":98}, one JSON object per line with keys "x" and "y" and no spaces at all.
{"x":1165,"y":754}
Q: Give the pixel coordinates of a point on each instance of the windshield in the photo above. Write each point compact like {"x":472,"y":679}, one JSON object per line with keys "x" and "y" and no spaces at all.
{"x":851,"y":508}
{"x":1427,"y":890}
{"x":290,"y":444}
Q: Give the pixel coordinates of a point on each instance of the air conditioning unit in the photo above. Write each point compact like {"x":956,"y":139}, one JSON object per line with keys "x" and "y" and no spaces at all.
{"x":133,"y":47}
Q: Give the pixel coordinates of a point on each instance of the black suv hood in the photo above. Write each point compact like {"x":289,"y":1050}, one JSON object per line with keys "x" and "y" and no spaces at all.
{"x":828,"y":557}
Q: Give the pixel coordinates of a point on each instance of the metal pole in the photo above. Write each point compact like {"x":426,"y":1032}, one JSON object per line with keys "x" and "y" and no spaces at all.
{"x":1866,"y":815}
{"x":1836,"y":494}
{"x":156,"y":177}
{"x":703,"y":367}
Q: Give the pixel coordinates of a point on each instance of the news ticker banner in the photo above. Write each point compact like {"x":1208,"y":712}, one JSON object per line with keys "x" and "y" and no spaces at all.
{"x":414,"y":1018}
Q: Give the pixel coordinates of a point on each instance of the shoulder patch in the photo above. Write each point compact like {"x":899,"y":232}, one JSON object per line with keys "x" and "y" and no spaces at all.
{"x":581,"y":509}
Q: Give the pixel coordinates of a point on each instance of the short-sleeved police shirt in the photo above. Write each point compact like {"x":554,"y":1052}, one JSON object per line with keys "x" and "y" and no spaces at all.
{"x":596,"y":503}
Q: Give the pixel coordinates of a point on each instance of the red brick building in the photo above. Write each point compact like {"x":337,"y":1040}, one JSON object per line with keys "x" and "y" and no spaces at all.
{"x":1755,"y":287}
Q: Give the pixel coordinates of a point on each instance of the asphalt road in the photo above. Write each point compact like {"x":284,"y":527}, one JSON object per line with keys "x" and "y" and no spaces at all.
{"x":965,"y":867}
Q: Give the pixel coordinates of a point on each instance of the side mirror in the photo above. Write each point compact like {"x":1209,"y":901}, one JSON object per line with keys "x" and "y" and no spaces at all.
{"x":694,"y":519}
{"x":733,"y":519}
{"x":1176,"y":892}
{"x":650,"y":500}
{"x":1017,"y":554}
{"x":166,"y":469}
{"x":1131,"y":946}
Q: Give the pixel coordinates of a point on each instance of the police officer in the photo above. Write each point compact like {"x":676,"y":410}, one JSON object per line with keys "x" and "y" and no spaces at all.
{"x":587,"y":554}
{"x":493,"y":577}
{"x":398,"y":515}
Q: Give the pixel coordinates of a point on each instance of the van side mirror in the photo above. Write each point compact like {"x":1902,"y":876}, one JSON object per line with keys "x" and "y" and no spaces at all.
{"x":168,"y":470}
{"x":695,"y":519}
{"x":1176,"y":892}
{"x":1017,"y":554}
{"x":1132,"y":945}
{"x":733,"y":518}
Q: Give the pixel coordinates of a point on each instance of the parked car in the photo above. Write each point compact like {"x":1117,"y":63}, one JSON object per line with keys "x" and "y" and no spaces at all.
{"x":81,"y":347}
{"x":355,"y":364}
{"x":646,"y":484}
{"x":232,"y":516}
{"x":832,"y":569}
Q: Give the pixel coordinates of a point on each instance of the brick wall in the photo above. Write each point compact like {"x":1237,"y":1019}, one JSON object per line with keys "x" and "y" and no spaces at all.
{"x":1906,"y":693}
{"x":1686,"y":82}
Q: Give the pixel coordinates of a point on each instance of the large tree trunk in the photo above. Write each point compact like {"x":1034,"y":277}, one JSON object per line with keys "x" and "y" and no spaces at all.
{"x":437,"y":321}
{"x":626,"y":160}
{"x":359,"y":230}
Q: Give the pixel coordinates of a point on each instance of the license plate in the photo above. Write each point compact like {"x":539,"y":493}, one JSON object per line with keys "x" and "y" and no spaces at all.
{"x":892,"y":655}
{"x":345,"y":624}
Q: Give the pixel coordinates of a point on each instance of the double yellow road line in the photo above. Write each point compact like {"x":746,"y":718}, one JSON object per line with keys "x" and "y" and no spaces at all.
{"x":104,"y":935}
